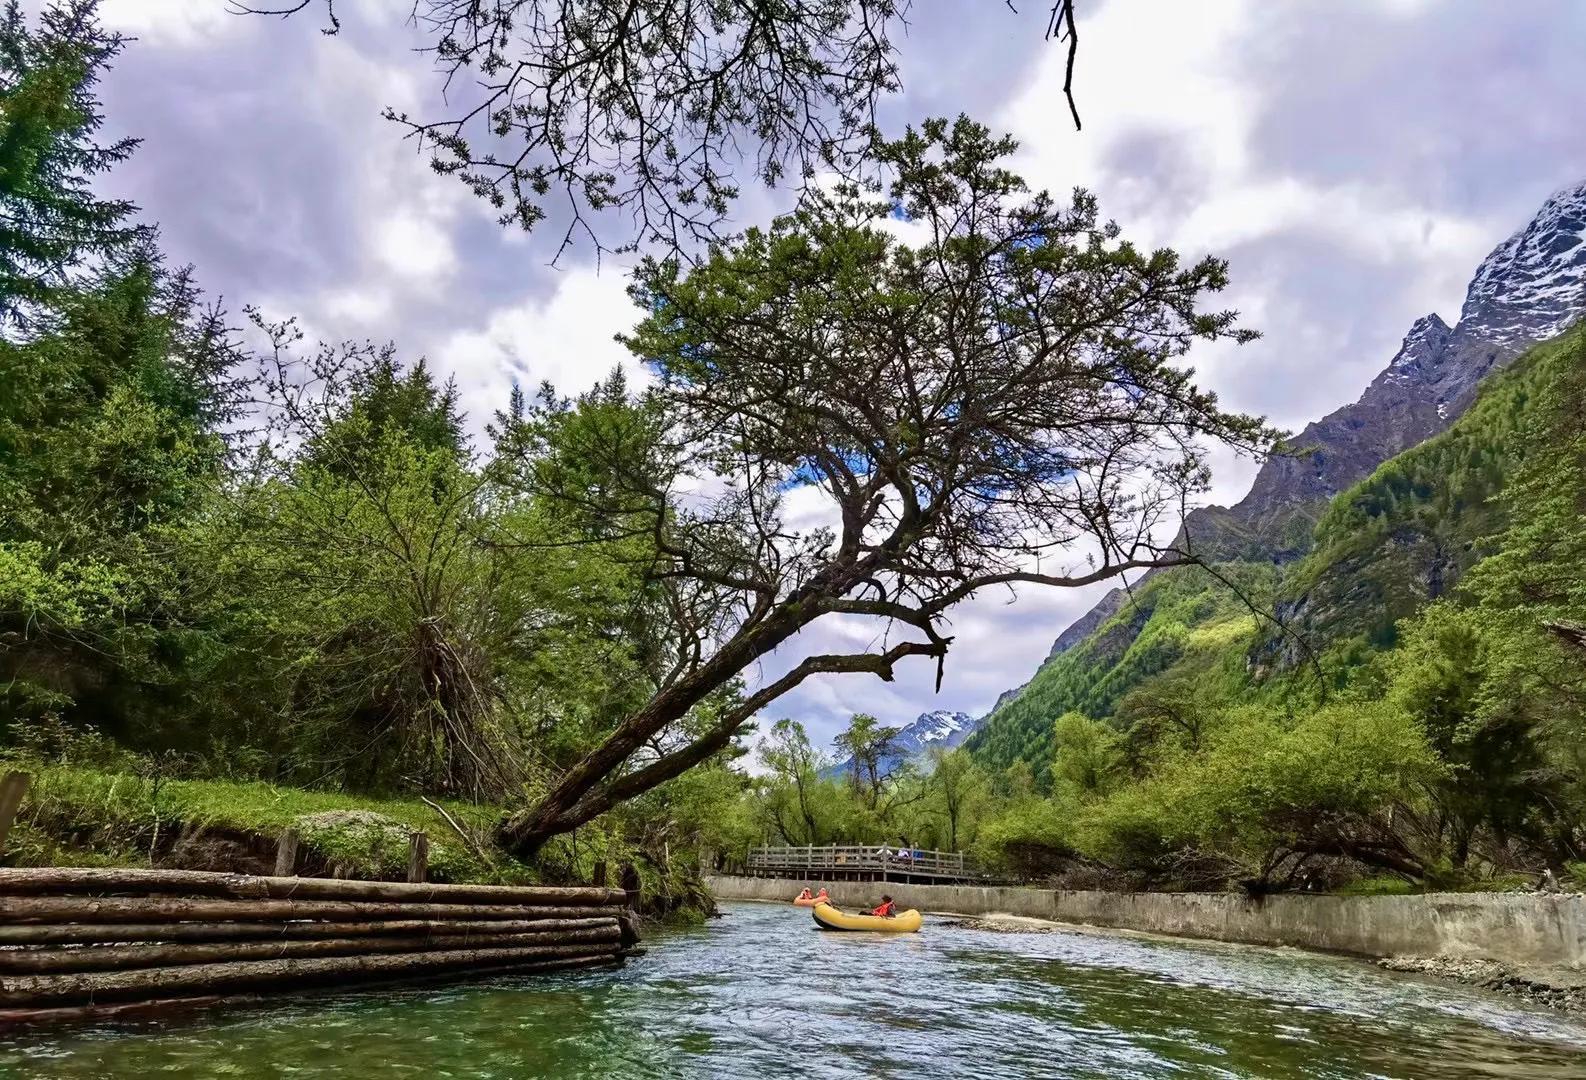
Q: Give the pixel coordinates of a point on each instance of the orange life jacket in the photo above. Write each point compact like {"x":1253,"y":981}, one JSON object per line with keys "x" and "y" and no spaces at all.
{"x":884,"y":910}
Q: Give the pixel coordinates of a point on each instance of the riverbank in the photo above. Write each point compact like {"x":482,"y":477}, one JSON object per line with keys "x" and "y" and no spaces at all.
{"x":85,"y":817}
{"x":1522,"y":931}
{"x":1556,"y":988}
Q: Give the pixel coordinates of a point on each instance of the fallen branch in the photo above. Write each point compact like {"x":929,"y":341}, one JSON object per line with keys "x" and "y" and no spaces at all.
{"x":473,"y":845}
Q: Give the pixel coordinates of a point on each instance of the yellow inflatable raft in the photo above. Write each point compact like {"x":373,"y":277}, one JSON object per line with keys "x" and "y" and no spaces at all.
{"x":829,"y":918}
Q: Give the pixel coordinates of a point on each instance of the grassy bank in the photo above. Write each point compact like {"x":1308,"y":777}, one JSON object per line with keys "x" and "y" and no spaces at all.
{"x":85,"y":817}
{"x":75,"y":815}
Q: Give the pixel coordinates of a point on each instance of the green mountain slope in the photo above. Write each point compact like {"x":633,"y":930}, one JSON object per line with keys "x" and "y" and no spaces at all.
{"x":1381,"y":551}
{"x":1404,"y":535}
{"x":1175,"y":622}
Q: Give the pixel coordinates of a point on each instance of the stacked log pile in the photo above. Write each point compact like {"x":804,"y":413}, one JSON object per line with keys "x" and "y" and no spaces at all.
{"x":88,"y":942}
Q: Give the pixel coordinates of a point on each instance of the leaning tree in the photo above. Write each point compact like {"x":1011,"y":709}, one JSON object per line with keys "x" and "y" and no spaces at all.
{"x":883,"y":404}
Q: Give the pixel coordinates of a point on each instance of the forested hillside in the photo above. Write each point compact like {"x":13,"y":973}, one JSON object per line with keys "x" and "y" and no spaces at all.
{"x":1415,"y":712}
{"x":1355,"y":544}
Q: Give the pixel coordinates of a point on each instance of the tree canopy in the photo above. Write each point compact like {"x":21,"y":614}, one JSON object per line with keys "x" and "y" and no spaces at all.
{"x":970,"y":403}
{"x":657,"y":110}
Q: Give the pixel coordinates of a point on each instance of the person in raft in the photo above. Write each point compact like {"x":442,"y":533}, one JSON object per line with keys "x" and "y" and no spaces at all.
{"x":806,"y":894}
{"x":886,"y":909}
{"x":823,"y":896}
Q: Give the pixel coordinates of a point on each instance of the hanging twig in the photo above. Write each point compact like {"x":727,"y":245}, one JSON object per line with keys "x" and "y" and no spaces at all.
{"x":1062,"y":27}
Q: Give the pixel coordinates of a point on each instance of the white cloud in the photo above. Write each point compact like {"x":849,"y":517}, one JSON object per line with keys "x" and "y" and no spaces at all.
{"x":178,"y":23}
{"x":566,"y":338}
{"x":415,"y":247}
{"x":363,"y":307}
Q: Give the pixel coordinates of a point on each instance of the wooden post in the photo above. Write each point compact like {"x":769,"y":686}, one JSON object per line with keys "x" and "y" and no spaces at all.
{"x":418,"y":857}
{"x":12,"y":788}
{"x":286,"y":854}
{"x":629,"y":880}
{"x":600,"y":874}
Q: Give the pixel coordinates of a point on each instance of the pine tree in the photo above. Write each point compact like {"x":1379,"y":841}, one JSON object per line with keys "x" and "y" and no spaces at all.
{"x":51,"y":223}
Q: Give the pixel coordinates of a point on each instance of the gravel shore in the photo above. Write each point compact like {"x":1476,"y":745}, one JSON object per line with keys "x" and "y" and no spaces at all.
{"x":1557,"y":988}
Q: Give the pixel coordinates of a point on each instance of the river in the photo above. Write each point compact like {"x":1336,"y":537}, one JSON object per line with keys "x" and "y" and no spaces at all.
{"x":759,"y":993}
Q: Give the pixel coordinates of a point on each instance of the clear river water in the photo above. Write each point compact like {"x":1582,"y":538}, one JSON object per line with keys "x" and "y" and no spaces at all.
{"x":760,"y":993}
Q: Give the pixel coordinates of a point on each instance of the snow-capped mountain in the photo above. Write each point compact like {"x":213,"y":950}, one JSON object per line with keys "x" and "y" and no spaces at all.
{"x":1529,"y":288}
{"x":939,"y":728}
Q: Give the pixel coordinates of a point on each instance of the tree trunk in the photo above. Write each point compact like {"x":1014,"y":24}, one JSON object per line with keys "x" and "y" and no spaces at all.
{"x":569,"y":804}
{"x":124,"y":957}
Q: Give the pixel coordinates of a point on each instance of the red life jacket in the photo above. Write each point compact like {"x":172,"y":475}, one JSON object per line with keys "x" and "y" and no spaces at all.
{"x":884,"y":910}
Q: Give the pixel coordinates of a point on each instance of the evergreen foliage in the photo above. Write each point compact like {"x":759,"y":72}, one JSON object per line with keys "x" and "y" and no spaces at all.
{"x":51,"y":223}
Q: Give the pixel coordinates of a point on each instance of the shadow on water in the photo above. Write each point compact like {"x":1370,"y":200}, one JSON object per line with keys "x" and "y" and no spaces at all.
{"x":761,"y":994}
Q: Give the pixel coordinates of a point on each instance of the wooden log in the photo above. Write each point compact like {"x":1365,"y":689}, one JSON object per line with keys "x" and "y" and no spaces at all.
{"x":125,"y":957}
{"x":77,"y":1014}
{"x":105,"y":933}
{"x":12,"y":788}
{"x":141,"y":909}
{"x":286,"y":853}
{"x":418,"y":857}
{"x":125,"y":1010}
{"x":18,"y":990}
{"x":31,"y":881}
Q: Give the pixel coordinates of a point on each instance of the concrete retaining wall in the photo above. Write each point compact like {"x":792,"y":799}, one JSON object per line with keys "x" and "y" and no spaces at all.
{"x":1513,"y":928}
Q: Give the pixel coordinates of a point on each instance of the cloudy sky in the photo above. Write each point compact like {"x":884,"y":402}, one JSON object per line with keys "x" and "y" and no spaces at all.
{"x":1353,"y":161}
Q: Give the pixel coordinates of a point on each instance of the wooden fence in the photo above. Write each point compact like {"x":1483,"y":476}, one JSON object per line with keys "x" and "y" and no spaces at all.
{"x":860,"y":862}
{"x":80,"y":944}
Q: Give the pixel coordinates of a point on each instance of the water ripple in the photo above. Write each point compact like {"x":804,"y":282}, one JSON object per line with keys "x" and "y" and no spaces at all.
{"x":760,"y":994}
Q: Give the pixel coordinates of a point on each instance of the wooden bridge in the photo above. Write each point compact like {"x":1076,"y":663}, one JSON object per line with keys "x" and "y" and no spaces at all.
{"x":862,"y":862}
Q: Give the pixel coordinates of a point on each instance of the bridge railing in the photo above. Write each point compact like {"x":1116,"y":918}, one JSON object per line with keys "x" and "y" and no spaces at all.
{"x":813,"y":861}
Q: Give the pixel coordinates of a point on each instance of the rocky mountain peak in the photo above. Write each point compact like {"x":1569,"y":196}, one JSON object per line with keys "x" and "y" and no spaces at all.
{"x":939,"y":728}
{"x":1533,"y":285}
{"x":1530,"y":288}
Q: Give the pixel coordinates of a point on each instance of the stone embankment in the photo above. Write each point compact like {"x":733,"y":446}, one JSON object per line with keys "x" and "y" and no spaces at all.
{"x":1532,"y":944}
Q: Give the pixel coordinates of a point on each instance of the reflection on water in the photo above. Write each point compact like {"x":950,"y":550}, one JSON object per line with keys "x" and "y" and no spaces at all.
{"x":761,"y":994}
